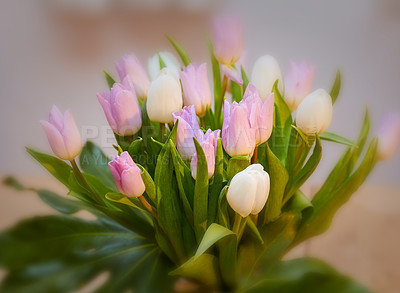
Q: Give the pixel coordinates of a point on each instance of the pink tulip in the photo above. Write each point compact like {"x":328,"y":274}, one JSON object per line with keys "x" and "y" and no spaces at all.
{"x":196,"y":89}
{"x":228,"y":39}
{"x":122,"y":108}
{"x":389,"y":136}
{"x":208,"y":142}
{"x":188,"y":127}
{"x":238,"y":129}
{"x":298,"y":83}
{"x":127,"y":175}
{"x":63,"y":134}
{"x":263,"y":112}
{"x":129,"y":65}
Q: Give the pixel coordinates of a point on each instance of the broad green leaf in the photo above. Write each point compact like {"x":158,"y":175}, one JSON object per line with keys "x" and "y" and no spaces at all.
{"x":304,"y":275}
{"x":302,"y":135}
{"x":312,"y":163}
{"x":336,"y":87}
{"x":278,"y":180}
{"x":299,"y":202}
{"x":135,"y":147}
{"x":109,"y":79}
{"x":93,"y":161}
{"x":209,"y":119}
{"x":118,"y":197}
{"x":69,"y":252}
{"x":182,"y":171}
{"x":326,"y":204}
{"x":170,"y":216}
{"x":217,"y":184}
{"x":123,"y":141}
{"x":284,"y":112}
{"x":237,"y":164}
{"x":329,"y":136}
{"x":236,"y":92}
{"x":203,"y":268}
{"x":227,"y":250}
{"x":200,"y":204}
{"x":62,"y":172}
{"x":185,"y":58}
{"x":253,"y":231}
{"x":223,"y":216}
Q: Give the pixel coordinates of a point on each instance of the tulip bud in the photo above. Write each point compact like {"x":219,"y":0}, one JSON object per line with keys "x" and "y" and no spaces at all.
{"x":129,"y":65}
{"x":298,"y":83}
{"x":265,"y":72}
{"x":188,"y":127}
{"x":389,"y":136}
{"x":263,"y":113}
{"x":227,"y":39}
{"x":170,"y":62}
{"x":164,"y":97}
{"x":196,"y":89}
{"x":238,"y":129}
{"x":121,"y":108}
{"x":314,"y":113}
{"x":208,"y":142}
{"x":248,"y":191}
{"x":127,"y":175}
{"x":63,"y":134}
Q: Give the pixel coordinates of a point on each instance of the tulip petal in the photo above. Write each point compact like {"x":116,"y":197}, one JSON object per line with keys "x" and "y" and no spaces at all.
{"x":55,"y":139}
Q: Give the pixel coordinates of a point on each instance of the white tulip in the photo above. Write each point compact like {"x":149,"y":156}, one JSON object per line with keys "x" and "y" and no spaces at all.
{"x":248,"y":191}
{"x":164,"y":97}
{"x":265,"y":72}
{"x":170,"y":62}
{"x":314,"y":113}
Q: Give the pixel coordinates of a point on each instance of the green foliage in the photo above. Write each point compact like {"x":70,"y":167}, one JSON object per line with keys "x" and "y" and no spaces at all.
{"x":185,"y":58}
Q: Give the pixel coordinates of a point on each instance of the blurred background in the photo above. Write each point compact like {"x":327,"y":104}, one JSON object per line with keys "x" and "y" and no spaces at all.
{"x":54,"y":52}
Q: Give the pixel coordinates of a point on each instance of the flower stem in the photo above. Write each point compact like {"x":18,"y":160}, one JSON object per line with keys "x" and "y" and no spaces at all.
{"x":236,"y":224}
{"x":146,"y":205}
{"x":162,"y":131}
{"x":203,"y":122}
{"x":82,"y":179}
{"x":222,"y":97}
{"x":254,"y":157}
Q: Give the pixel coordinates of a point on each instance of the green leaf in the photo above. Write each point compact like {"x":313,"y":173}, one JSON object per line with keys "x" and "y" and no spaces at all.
{"x":109,"y":79}
{"x":135,"y":147}
{"x":93,"y":161}
{"x":327,"y":204}
{"x":185,"y":58}
{"x":162,"y":63}
{"x":217,"y":184}
{"x":305,"y":172}
{"x":304,"y":275}
{"x":336,"y":87}
{"x":200,"y":204}
{"x":329,"y":136}
{"x":184,"y":179}
{"x":236,"y":92}
{"x":150,"y":186}
{"x":218,"y":96}
{"x":118,"y":197}
{"x":237,"y":164}
{"x":253,"y":231}
{"x":209,"y":119}
{"x":228,"y":249}
{"x":203,"y":268}
{"x":13,"y":182}
{"x":62,"y":204}
{"x":245,"y":79}
{"x":70,"y":252}
{"x":223,"y":216}
{"x":170,"y":215}
{"x":62,"y":172}
{"x":278,"y":180}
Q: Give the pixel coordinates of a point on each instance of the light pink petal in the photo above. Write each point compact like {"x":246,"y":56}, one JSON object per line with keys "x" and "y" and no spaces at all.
{"x":132,"y":182}
{"x":103,"y":99}
{"x":71,"y":135}
{"x":56,"y":118}
{"x":55,"y":140}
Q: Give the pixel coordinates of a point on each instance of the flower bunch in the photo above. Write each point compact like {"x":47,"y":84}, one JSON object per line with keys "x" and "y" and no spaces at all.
{"x":211,"y":184}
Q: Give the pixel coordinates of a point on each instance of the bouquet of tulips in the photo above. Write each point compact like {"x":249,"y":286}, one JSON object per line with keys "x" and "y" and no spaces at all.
{"x":204,"y":193}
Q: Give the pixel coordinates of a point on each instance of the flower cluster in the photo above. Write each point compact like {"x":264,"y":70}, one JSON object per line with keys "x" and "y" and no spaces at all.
{"x":232,"y":161}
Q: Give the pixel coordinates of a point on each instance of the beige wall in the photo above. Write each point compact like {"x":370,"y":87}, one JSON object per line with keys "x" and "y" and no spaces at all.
{"x":51,"y":55}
